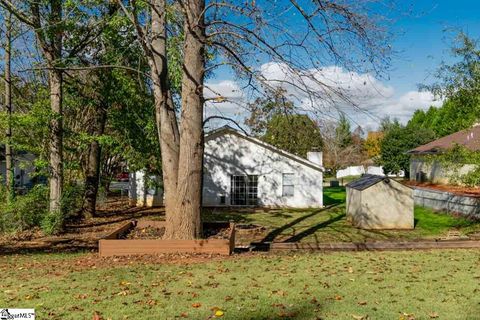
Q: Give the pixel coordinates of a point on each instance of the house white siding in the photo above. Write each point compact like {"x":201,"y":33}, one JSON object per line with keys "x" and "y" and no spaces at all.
{"x":230,"y":153}
{"x":23,"y":168}
{"x":422,"y":170}
{"x":140,"y":193}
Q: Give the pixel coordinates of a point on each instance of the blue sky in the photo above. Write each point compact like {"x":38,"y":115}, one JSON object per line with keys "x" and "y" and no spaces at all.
{"x":424,"y":37}
{"x":423,"y":33}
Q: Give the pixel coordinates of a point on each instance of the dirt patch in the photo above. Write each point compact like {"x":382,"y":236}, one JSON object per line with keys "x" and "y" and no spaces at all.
{"x":83,"y":234}
{"x":460,"y":190}
{"x":217,"y":233}
{"x":249,"y":228}
{"x":157,"y":232}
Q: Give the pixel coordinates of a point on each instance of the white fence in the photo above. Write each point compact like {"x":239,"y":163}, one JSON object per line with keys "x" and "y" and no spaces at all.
{"x":350,"y":171}
{"x":359,"y":170}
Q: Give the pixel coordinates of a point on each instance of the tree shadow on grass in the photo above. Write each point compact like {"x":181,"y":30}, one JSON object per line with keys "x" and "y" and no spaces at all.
{"x":278,"y":231}
{"x":315,"y":228}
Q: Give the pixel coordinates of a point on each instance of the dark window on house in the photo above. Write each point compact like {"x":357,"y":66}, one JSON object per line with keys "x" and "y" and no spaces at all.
{"x":244,"y":190}
{"x":222,"y":199}
{"x":252,"y":190}
{"x":288,"y":184}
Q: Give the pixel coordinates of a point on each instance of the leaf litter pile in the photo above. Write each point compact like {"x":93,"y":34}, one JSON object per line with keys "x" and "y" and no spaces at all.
{"x":441,"y":284}
{"x":154,"y":232}
{"x":146,"y":233}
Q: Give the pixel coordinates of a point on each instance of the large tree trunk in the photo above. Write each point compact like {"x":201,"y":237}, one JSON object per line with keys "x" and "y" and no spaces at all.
{"x":185,"y":222}
{"x":56,"y":141}
{"x":9,"y":174}
{"x":92,"y":170}
{"x":166,"y":120}
{"x":53,"y":53}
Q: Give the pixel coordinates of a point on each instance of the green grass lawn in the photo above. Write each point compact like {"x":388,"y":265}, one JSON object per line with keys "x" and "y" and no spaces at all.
{"x":439,"y":284}
{"x":330,"y":225}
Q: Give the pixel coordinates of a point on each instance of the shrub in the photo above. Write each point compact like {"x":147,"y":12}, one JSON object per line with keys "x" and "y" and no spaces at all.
{"x":26,"y":211}
{"x":31,"y":210}
{"x":72,"y":200}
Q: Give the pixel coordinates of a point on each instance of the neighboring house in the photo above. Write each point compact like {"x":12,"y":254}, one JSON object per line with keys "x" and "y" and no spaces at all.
{"x":378,"y":202}
{"x":23,"y":168}
{"x":423,"y":169}
{"x":240,"y":170}
{"x":143,"y":190}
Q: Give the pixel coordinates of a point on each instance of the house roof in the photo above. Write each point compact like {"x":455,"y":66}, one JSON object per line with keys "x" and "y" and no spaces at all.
{"x":227,"y":129}
{"x":18,"y":154}
{"x":366,"y":181}
{"x":469,"y":138}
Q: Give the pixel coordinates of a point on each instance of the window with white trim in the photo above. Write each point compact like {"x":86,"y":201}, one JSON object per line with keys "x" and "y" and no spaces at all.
{"x":288,"y":184}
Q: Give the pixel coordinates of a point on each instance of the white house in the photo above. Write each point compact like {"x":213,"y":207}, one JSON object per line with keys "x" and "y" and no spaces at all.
{"x":23,"y":167}
{"x":240,"y":170}
{"x":143,"y":190}
{"x":424,"y":165}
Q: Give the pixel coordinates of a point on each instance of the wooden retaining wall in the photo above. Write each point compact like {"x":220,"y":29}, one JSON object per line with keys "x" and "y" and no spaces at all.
{"x":366,"y":246}
{"x":111,"y":245}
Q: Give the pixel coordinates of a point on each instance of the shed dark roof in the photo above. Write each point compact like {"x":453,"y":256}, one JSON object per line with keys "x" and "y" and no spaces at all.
{"x":366,"y":181}
{"x":469,"y":138}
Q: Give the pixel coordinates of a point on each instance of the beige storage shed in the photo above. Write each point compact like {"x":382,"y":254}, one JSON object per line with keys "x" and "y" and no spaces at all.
{"x":378,"y":202}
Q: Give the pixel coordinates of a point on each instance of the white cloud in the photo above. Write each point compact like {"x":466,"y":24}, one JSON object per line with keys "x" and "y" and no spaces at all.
{"x":226,"y":99}
{"x":321,"y":91}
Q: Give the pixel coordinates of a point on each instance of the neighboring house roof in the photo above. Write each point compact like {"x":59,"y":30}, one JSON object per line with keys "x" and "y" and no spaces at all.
{"x":366,"y":181}
{"x":227,"y":129}
{"x":469,"y":138}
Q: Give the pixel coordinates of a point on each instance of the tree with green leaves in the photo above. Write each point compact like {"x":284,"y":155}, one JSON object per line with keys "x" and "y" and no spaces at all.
{"x":343,"y":131}
{"x":61,"y":38}
{"x":263,"y":109}
{"x":295,"y":133}
{"x":458,"y":83}
{"x":396,"y":142}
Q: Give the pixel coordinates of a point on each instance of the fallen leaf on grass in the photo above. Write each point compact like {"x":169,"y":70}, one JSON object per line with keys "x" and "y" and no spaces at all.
{"x":433,"y":315}
{"x":279,"y":292}
{"x":338,"y":298}
{"x":196,"y":305}
{"x":219,"y":313}
{"x":228,"y":298}
{"x":96,"y":316}
{"x":359,"y":317}
{"x":287,"y":314}
{"x":407,"y":316}
{"x":362,"y":303}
